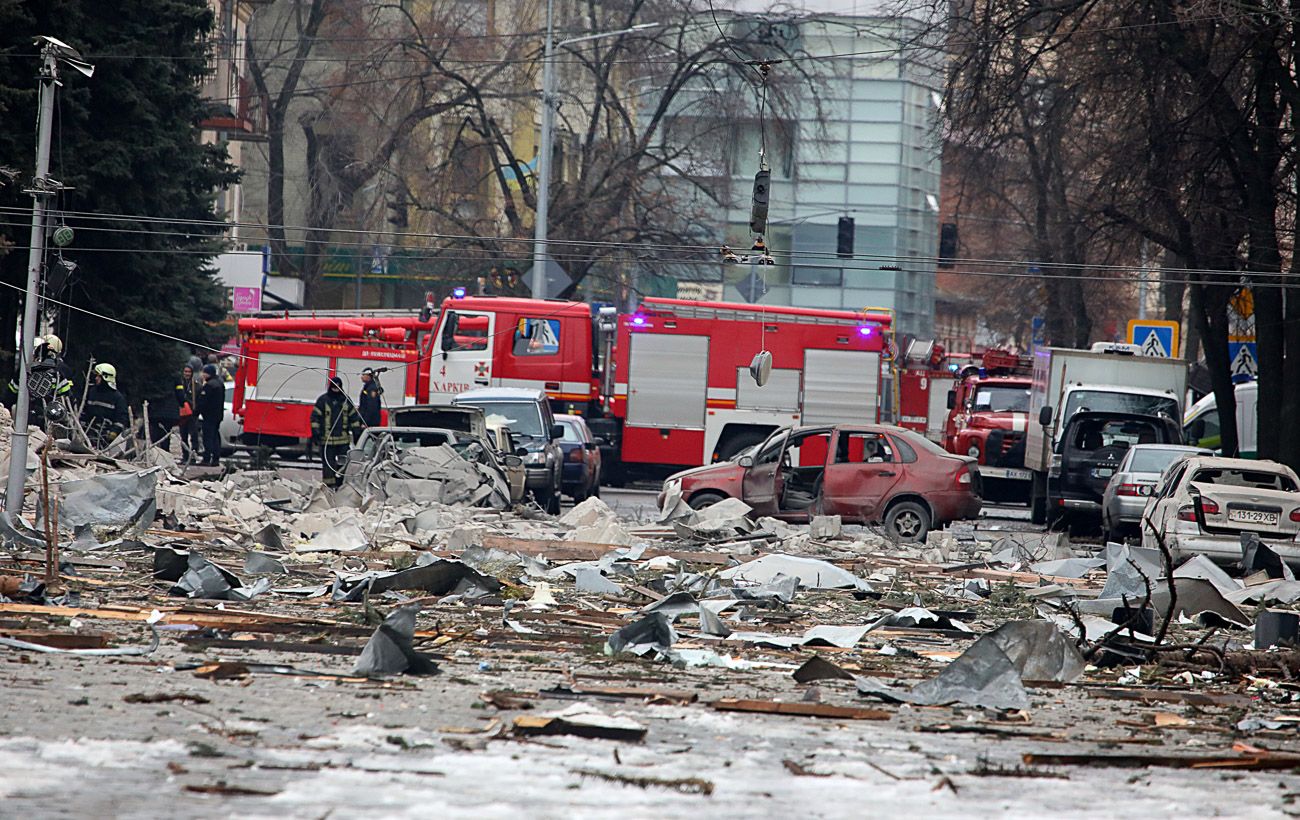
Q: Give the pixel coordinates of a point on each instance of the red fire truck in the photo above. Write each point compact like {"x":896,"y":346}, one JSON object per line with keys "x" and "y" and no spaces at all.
{"x":667,"y":386}
{"x":988,"y":413}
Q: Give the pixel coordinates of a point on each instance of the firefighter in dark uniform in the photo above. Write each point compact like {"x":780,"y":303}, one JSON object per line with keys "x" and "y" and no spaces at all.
{"x":335,"y":423}
{"x":211,"y":409}
{"x":104,"y":415}
{"x":48,"y":380}
{"x":371,"y":401}
{"x":187,"y":395}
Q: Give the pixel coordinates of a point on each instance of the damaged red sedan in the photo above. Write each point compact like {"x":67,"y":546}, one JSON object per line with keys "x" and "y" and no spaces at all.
{"x":867,"y":474}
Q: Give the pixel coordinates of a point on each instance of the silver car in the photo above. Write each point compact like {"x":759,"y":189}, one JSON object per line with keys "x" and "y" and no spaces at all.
{"x":1134,"y":482}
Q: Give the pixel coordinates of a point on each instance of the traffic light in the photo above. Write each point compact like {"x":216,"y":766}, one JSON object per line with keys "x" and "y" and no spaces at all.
{"x":947,"y":244}
{"x":844,"y":238}
{"x":758,"y":211}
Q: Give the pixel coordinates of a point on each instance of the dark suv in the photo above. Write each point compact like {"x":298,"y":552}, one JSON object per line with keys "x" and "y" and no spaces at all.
{"x":1091,"y":448}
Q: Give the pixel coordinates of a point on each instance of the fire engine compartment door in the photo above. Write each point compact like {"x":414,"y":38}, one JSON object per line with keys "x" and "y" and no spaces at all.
{"x":668,"y":380}
{"x":291,"y":378}
{"x":780,"y":394}
{"x":462,"y":354}
{"x":840,"y":386}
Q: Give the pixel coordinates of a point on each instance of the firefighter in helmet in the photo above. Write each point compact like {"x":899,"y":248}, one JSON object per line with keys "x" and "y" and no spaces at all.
{"x":335,"y":423}
{"x":370,"y":402}
{"x":48,"y":380}
{"x":104,"y":415}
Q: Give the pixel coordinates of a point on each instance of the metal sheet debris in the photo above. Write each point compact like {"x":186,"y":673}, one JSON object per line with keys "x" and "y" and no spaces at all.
{"x":390,"y":651}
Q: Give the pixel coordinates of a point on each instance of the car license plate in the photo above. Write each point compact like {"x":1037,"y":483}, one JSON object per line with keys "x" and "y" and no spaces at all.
{"x":1254,"y":517}
{"x":1103,"y":472}
{"x":1004,"y":472}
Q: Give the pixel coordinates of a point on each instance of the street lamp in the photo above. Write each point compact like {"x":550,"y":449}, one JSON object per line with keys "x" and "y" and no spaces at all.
{"x":548,"y":137}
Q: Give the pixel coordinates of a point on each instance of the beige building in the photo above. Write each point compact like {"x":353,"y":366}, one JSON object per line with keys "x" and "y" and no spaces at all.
{"x":227,"y":94}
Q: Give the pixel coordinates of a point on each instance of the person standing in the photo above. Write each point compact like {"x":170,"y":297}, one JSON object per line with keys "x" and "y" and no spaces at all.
{"x":187,"y":402}
{"x":371,"y":401}
{"x":104,"y":415}
{"x":48,"y":380}
{"x":334,"y":423}
{"x":211,"y":408}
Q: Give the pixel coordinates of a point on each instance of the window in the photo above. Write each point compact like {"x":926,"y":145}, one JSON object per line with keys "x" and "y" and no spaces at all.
{"x":809,"y":449}
{"x":572,"y":432}
{"x":419,"y":438}
{"x":1100,"y":401}
{"x":1002,"y":399}
{"x":462,"y":331}
{"x":524,"y":418}
{"x":1252,"y":479}
{"x":1203,"y":431}
{"x":536,"y":337}
{"x":828,"y":276}
{"x":864,"y":448}
{"x":1095,"y":434}
{"x":1147,"y":460}
{"x":1174,"y":478}
{"x":771,"y":448}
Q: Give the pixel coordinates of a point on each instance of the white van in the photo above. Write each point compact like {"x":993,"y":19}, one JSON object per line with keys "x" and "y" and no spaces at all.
{"x":1201,"y":422}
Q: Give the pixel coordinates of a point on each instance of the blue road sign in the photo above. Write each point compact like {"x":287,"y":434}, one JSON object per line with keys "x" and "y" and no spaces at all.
{"x":1038,"y":329}
{"x":1156,"y":337}
{"x":1245,"y":364}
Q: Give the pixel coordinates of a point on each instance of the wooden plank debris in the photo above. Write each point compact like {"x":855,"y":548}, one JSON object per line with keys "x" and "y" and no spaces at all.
{"x":800,"y":709}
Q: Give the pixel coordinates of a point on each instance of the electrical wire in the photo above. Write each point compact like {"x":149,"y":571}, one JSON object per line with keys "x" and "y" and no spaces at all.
{"x":702,"y":255}
{"x":902,"y":47}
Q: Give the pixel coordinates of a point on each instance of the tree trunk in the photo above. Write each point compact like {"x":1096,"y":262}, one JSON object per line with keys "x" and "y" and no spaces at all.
{"x":281,"y":262}
{"x":1172,"y":291}
{"x":1211,"y":316}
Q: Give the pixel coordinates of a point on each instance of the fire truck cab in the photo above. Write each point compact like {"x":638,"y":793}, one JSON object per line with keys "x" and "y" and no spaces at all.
{"x":988,"y":414}
{"x":487,"y":341}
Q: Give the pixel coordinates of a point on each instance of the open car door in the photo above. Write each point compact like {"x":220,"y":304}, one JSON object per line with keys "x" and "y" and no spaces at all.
{"x":762,"y":485}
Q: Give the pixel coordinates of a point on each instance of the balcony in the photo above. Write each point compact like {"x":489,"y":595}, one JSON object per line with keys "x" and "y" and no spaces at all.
{"x":235,"y":115}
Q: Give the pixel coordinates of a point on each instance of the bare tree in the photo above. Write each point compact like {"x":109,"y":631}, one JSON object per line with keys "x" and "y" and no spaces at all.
{"x":1181,"y":112}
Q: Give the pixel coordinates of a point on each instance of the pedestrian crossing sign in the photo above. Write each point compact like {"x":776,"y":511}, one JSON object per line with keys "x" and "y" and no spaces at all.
{"x":1155,"y":337}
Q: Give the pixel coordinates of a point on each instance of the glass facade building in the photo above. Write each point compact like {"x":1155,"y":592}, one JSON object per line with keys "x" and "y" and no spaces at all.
{"x":863,"y":145}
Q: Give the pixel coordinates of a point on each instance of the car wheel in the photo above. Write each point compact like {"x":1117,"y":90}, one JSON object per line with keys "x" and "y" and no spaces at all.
{"x":705,"y":499}
{"x":907,"y":521}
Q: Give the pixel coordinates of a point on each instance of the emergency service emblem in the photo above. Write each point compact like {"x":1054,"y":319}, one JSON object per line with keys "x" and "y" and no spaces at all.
{"x":481,"y":369}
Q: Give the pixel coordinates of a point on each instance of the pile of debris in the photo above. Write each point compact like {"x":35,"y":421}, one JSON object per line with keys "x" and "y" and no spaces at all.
{"x":418,"y":565}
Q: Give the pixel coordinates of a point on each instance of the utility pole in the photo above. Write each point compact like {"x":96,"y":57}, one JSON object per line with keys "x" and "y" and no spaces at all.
{"x":52,"y":51}
{"x":547,"y":138}
{"x":544,"y":151}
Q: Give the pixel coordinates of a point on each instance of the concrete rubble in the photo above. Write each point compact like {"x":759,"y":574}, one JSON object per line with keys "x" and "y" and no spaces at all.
{"x":415,"y":585}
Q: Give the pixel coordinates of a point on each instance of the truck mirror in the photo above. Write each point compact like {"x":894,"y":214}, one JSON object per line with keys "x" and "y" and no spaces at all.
{"x":952,"y":399}
{"x":448,"y":333}
{"x":1045,"y":415}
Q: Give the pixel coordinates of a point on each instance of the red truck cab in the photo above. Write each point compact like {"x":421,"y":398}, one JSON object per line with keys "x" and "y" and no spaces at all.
{"x":988,"y":414}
